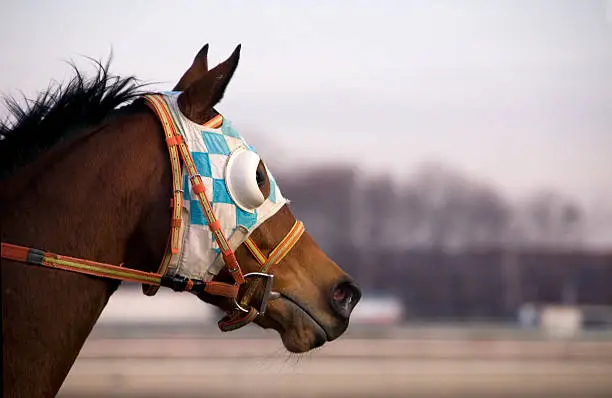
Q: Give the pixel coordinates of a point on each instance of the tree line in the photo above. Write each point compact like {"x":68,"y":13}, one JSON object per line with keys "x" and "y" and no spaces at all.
{"x":450,"y":246}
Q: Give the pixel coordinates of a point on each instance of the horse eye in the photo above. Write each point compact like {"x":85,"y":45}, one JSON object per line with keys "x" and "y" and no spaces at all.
{"x":260,"y":176}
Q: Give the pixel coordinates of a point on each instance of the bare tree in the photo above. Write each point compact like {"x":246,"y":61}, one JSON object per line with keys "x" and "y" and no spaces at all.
{"x":550,"y":219}
{"x":458,"y":212}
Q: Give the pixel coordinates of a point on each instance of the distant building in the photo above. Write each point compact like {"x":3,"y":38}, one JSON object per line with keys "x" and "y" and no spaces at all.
{"x":129,"y":306}
{"x":378,"y":310}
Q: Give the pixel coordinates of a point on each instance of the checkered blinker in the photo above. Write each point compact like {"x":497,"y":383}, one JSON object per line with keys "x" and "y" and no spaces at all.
{"x":228,"y":167}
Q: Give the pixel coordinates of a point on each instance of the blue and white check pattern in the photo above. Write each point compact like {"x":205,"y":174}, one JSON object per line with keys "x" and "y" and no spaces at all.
{"x":210,"y":149}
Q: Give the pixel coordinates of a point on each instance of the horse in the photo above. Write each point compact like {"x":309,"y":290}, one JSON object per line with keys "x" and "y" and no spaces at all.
{"x":104,"y":182}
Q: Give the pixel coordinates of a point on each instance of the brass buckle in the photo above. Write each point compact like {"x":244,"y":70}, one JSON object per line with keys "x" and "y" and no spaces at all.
{"x":269,"y":281}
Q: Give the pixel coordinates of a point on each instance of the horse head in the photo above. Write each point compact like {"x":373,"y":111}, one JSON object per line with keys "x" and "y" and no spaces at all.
{"x":312,"y":296}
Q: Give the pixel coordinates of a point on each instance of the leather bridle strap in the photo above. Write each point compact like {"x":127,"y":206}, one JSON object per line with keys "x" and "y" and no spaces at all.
{"x":237,"y":319}
{"x":276,"y":256}
{"x":176,"y":202}
{"x":118,"y":272}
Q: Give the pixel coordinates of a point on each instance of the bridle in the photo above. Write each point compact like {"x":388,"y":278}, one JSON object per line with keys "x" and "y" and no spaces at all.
{"x":242,"y":312}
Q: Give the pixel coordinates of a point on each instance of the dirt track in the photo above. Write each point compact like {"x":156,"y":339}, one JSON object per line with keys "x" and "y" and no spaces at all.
{"x":351,"y":368}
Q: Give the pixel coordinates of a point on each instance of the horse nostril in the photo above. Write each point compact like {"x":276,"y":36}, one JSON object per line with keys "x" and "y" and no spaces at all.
{"x":341,"y":294}
{"x":344,"y":298}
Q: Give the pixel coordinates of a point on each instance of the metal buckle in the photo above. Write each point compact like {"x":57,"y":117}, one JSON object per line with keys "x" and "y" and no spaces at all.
{"x":269,"y":281}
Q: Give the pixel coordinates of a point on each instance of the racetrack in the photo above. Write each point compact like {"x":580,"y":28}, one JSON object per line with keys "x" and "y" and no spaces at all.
{"x":347,"y":368}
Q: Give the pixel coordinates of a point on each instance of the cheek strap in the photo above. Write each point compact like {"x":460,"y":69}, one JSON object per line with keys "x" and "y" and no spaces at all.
{"x":239,"y":318}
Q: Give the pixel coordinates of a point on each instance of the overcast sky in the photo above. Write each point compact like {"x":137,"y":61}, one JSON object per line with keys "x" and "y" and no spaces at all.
{"x":516,"y":92}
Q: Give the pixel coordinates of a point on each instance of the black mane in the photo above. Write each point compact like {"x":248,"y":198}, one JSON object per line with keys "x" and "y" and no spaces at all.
{"x":60,"y":112}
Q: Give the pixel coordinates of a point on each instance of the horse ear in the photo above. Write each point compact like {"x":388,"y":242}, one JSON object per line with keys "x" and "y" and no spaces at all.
{"x":206,"y":92}
{"x":197,"y":69}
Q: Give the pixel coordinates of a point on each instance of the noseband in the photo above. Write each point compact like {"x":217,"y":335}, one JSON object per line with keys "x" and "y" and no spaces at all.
{"x":241,"y":313}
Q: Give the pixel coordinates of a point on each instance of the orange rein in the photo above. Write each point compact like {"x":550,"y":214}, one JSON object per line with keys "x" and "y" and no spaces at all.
{"x":119,"y":272}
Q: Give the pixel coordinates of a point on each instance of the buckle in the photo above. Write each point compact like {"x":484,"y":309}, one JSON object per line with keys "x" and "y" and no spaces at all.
{"x":269,"y":281}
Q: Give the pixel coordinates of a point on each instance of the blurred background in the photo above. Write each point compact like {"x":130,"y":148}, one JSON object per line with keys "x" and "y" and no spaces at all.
{"x":453,"y":156}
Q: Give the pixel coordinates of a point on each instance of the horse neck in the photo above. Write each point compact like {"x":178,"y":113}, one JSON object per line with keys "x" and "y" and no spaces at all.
{"x":106,"y":199}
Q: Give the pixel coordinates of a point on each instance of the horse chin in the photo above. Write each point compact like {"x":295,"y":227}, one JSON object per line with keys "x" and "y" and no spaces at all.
{"x":298,"y":330}
{"x":301,"y":341}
